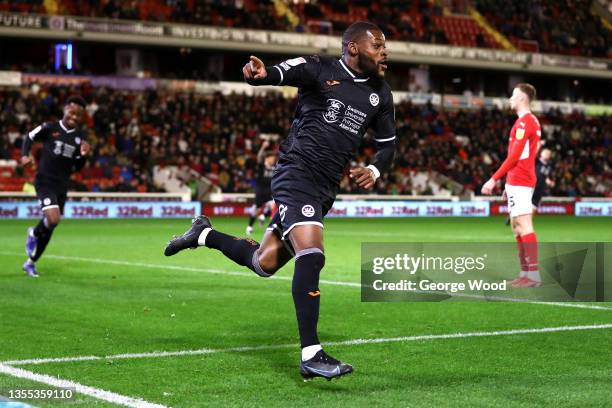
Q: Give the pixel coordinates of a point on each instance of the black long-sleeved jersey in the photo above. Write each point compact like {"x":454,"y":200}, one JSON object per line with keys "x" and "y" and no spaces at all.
{"x":60,"y":154}
{"x":543,"y":171}
{"x":335,"y":108}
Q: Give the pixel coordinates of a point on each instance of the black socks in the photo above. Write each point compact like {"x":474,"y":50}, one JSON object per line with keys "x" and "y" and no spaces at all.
{"x":305,"y":285}
{"x":306,"y":295}
{"x":43,"y":234}
{"x":241,"y":251}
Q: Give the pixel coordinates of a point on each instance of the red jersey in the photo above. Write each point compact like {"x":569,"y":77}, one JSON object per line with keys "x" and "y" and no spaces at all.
{"x":522,"y":152}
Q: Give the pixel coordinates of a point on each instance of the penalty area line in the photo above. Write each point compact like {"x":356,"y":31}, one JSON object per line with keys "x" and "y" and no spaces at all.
{"x":354,"y":342}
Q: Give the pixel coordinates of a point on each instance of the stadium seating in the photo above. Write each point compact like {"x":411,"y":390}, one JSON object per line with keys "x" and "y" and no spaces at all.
{"x":552,"y":26}
{"x":412,"y":21}
{"x":217,"y":136}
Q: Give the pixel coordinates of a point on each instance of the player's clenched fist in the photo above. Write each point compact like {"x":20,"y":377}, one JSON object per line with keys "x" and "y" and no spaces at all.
{"x":85,"y":148}
{"x":25,"y":161}
{"x":488,"y":187}
{"x":254,"y":69}
{"x":363,"y":176}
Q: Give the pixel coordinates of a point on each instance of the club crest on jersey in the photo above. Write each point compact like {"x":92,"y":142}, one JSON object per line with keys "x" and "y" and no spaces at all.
{"x":308,"y":211}
{"x":55,"y":134}
{"x":374,"y":99}
{"x":334,"y":107}
{"x":520,"y":133}
{"x":332,"y":82}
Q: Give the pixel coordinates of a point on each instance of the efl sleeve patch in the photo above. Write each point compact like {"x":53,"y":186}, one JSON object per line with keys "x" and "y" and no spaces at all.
{"x":520,"y":133}
{"x":296,"y":61}
{"x":34,"y":132}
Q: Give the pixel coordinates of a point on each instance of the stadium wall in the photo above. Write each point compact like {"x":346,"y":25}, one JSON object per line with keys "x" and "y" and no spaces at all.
{"x":63,"y":27}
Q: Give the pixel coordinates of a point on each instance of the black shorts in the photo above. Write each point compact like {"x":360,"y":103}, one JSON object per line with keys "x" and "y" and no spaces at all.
{"x":538,"y":193}
{"x":51,"y":195}
{"x":300,"y":196}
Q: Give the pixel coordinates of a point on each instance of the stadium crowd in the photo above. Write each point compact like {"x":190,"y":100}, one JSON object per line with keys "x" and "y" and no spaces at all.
{"x":564,"y":27}
{"x":217,"y":136}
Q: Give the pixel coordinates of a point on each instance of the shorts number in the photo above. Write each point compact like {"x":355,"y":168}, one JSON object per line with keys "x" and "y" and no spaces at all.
{"x":511,"y":201}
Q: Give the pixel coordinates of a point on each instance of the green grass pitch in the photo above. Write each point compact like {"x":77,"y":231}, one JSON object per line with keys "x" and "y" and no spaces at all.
{"x":106,"y":289}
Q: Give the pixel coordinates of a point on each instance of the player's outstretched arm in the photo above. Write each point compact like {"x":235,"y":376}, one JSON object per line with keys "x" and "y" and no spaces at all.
{"x":254,"y":70}
{"x":298,"y":72}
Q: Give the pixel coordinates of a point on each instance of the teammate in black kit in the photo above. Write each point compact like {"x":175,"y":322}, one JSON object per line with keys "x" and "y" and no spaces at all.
{"x":263,"y":205}
{"x":64,"y":150}
{"x":339,"y":99}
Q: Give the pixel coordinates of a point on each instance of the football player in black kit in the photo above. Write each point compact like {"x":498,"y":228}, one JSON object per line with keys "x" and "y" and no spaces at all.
{"x":64,"y":150}
{"x":338,"y":100}
{"x":543,"y":174}
{"x":263,"y":205}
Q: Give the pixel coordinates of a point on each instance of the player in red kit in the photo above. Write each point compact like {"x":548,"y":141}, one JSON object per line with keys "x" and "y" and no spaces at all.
{"x":519,"y":169}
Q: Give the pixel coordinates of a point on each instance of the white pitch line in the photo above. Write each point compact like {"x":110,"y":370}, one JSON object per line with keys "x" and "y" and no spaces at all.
{"x":80,"y":388}
{"x":158,"y":354}
{"x":287,"y":278}
{"x":181,"y":268}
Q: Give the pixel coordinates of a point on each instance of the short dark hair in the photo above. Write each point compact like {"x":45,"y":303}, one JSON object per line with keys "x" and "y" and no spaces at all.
{"x":355,"y":31}
{"x":77,"y":100}
{"x":528,"y":90}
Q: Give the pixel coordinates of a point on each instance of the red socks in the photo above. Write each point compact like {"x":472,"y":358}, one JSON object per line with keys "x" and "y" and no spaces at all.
{"x":529,"y":242}
{"x":521,"y":255}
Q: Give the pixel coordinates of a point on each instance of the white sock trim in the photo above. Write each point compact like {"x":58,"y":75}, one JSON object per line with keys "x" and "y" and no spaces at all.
{"x":534,"y":276}
{"x":202,"y":237}
{"x":523,"y":274}
{"x":309,"y":352}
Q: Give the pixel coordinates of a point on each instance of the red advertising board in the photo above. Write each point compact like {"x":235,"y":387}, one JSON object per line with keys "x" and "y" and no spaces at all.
{"x":225,"y":209}
{"x":545,"y":208}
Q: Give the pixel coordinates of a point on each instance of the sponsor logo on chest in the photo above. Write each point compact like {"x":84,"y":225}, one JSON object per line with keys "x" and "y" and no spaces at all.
{"x":61,"y":148}
{"x":348,"y":117}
